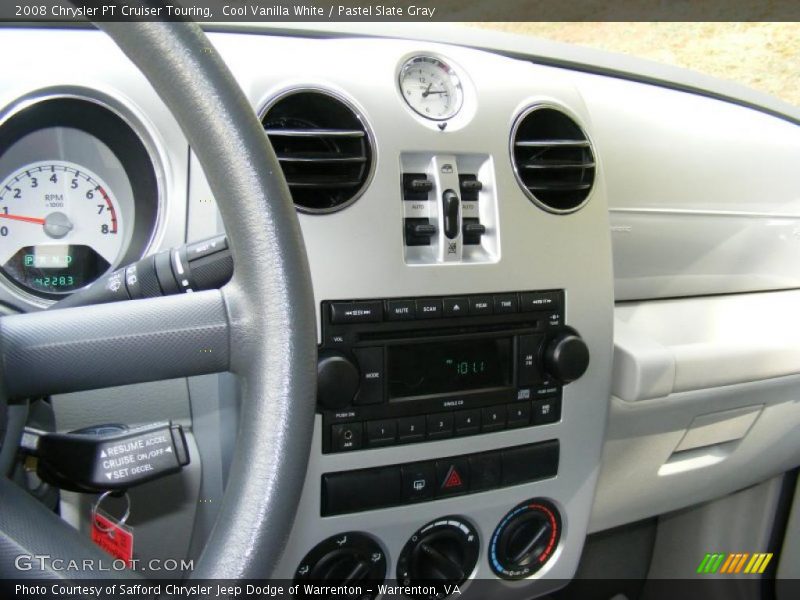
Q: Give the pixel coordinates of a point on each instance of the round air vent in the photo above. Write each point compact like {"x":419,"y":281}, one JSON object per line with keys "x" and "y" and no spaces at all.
{"x":323,"y":147}
{"x":552,"y":159}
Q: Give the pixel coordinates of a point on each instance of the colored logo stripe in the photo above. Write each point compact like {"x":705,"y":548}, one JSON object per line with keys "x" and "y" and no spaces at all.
{"x":711,"y":563}
{"x":758,"y":564}
{"x":731,"y":563}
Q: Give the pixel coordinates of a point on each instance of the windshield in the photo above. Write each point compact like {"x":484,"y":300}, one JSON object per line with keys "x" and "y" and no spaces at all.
{"x":763,"y":56}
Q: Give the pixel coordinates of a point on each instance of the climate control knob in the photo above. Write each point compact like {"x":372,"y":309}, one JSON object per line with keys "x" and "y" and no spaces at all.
{"x":349,"y":559}
{"x":566,"y":356}
{"x":525,"y":539}
{"x":439,"y":555}
{"x":337,"y":380}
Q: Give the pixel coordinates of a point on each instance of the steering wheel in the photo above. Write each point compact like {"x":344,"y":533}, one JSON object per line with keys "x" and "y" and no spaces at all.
{"x":260,"y":326}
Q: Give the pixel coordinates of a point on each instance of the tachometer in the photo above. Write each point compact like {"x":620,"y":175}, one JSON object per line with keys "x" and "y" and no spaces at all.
{"x":60,"y":227}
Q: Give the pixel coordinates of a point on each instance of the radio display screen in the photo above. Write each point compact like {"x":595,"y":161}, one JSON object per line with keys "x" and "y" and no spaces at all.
{"x":442,"y":367}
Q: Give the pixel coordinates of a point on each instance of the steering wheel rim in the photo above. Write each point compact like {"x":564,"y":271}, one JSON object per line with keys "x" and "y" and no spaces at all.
{"x":271,"y":344}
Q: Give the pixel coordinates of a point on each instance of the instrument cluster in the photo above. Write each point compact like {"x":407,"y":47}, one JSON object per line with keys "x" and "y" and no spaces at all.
{"x":79,"y":195}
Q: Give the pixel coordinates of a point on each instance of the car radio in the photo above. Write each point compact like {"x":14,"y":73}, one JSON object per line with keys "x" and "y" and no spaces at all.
{"x":397,"y":371}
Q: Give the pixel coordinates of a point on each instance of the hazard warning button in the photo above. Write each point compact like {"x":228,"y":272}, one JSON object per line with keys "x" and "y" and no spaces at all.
{"x":452,"y":477}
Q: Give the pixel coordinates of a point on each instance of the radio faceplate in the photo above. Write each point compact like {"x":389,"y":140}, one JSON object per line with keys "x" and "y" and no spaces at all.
{"x":397,"y":371}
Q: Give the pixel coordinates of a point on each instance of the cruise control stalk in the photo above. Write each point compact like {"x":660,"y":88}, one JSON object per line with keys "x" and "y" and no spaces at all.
{"x":189,"y":268}
{"x":106,"y":457}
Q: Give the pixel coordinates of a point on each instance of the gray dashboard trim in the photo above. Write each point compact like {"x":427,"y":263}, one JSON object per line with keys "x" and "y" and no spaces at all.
{"x":540,"y":51}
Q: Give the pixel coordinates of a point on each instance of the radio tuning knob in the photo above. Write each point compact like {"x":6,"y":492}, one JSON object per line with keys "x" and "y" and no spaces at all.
{"x":337,"y":380}
{"x":566,"y":356}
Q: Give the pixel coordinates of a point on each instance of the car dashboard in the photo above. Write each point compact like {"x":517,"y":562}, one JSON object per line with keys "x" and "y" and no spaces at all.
{"x":454,"y":204}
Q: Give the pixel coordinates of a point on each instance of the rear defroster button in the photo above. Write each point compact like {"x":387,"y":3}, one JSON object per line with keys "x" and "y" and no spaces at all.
{"x":419,"y":481}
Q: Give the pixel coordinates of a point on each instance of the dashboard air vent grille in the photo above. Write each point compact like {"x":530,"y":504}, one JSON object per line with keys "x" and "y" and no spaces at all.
{"x":323,"y":147}
{"x":553,"y":159}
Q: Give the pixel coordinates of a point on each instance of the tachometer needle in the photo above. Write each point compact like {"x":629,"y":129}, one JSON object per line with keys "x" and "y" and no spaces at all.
{"x":35,"y":220}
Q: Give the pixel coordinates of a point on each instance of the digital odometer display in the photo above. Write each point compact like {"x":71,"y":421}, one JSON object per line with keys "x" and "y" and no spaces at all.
{"x":443,"y":367}
{"x":57,"y":268}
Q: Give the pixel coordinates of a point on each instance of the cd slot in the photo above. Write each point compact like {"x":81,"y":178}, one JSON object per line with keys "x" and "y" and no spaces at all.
{"x":452,"y":332}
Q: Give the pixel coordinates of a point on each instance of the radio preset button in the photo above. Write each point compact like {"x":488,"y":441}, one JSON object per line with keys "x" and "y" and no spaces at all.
{"x":480,"y":305}
{"x":493,"y":418}
{"x":411,"y":429}
{"x":455,"y":307}
{"x":346,"y":436}
{"x":419,"y":481}
{"x":429,"y":309}
{"x":506,"y":304}
{"x":357,"y":312}
{"x":381,"y":433}
{"x":370,"y":366}
{"x":467,"y":422}
{"x":533,"y":301}
{"x":401,"y":310}
{"x":519,"y":414}
{"x":440,"y":426}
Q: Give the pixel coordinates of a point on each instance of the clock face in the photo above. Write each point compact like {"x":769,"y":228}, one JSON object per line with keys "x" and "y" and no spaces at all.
{"x":431,"y":88}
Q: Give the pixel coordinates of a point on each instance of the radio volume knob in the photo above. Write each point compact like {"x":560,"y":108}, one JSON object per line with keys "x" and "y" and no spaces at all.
{"x":566,"y":356}
{"x":337,"y":380}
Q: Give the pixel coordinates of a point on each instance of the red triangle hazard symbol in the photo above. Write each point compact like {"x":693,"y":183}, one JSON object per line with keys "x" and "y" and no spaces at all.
{"x":453,"y":479}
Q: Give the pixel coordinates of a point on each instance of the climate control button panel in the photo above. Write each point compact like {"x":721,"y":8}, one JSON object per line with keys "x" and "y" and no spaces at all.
{"x":369,"y":489}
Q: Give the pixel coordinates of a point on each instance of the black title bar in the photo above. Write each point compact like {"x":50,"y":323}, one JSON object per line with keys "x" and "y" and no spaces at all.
{"x":253,"y":11}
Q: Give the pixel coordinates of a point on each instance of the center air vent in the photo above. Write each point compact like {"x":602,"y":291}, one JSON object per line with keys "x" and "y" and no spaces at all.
{"x":323,"y":147}
{"x":552,"y":159}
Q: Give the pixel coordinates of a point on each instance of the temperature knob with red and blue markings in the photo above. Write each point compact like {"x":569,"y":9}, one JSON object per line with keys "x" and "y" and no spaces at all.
{"x":525,"y":539}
